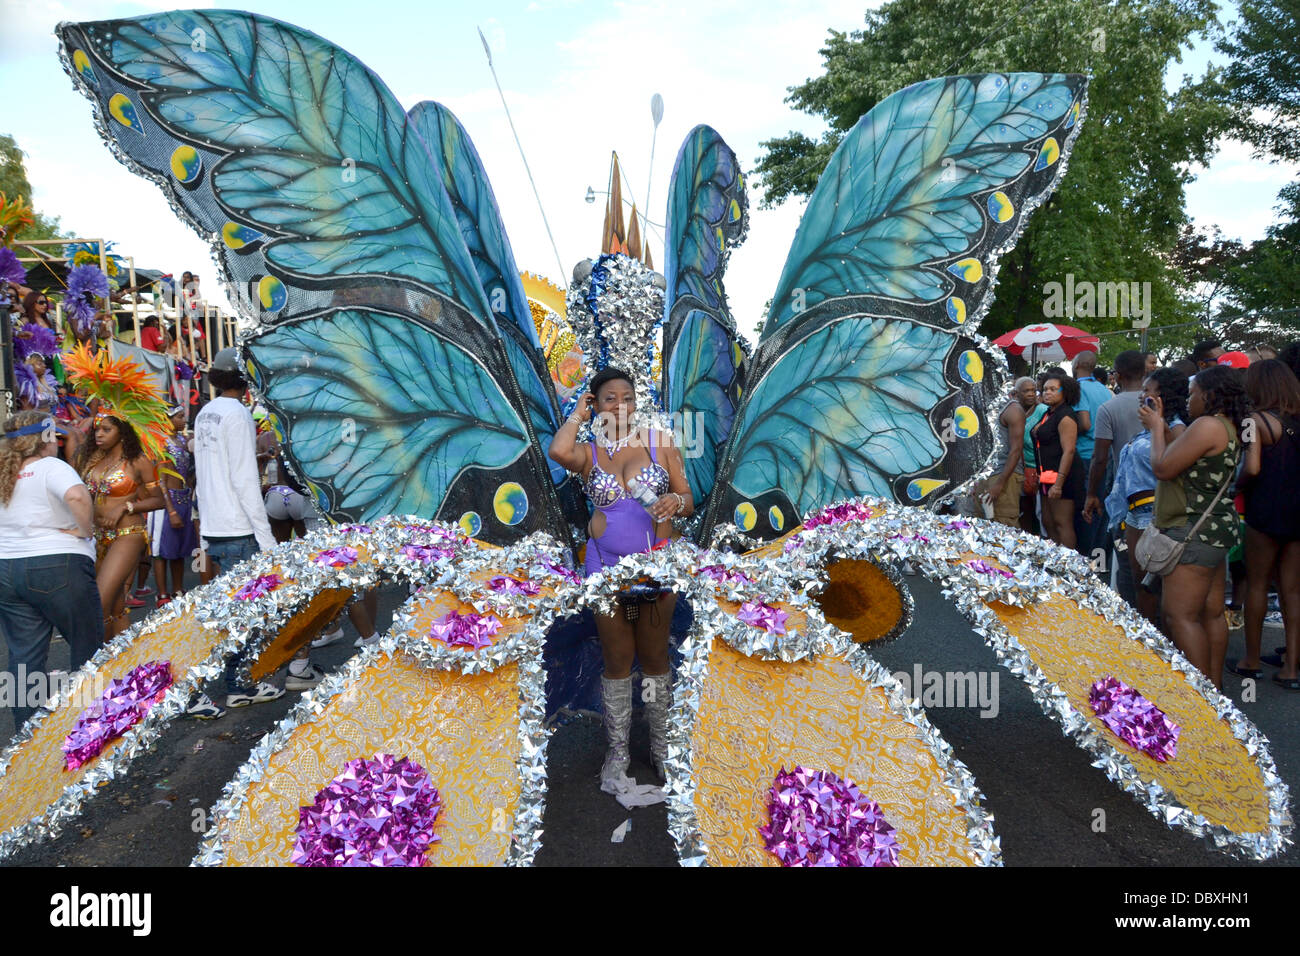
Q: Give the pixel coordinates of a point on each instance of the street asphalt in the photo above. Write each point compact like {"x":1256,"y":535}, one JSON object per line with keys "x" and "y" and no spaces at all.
{"x":1041,"y":788}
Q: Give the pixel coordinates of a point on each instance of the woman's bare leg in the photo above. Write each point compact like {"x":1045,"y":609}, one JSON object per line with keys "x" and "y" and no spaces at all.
{"x":1288,"y":592}
{"x":1183,"y":604}
{"x":113,"y":576}
{"x":1261,"y":555}
{"x":617,"y":643}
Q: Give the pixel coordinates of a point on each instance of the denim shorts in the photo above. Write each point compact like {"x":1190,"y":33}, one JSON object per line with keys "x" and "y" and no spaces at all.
{"x":230,"y":552}
{"x":1197,"y":552}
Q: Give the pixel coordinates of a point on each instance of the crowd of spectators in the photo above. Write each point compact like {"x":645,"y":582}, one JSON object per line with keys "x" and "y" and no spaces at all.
{"x":1207,"y":450}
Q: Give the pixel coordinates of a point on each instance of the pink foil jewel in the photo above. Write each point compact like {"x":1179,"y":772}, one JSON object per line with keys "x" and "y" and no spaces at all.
{"x":426,"y":553}
{"x":502,"y":584}
{"x":465,"y":630}
{"x":116,"y":711}
{"x":377,"y":812}
{"x":769,"y":618}
{"x":792,"y":545}
{"x":910,"y":537}
{"x":722,"y":575}
{"x":361,"y":528}
{"x":838,"y":514}
{"x":558,"y":569}
{"x":1134,"y":719}
{"x":983,"y":567}
{"x":339,"y":557}
{"x":817,"y":819}
{"x":258,"y":587}
{"x":957,"y":525}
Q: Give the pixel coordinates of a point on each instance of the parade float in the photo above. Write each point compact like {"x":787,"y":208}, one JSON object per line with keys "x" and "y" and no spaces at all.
{"x":412,"y":378}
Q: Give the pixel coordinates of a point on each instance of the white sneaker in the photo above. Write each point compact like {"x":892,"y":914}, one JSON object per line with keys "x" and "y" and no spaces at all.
{"x":370,"y":641}
{"x":304,"y":681}
{"x":329,"y":637}
{"x":203,"y":708}
{"x":257,"y":694}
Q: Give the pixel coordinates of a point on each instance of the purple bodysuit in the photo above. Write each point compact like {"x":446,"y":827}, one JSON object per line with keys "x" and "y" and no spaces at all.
{"x":629,"y":528}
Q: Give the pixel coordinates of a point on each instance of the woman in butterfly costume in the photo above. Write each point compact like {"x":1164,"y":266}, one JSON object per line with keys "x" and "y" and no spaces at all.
{"x":867,"y":391}
{"x":622,"y":525}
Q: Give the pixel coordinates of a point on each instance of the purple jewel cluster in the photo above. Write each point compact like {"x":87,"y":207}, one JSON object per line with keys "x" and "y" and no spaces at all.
{"x":1134,"y":719}
{"x":983,"y":567}
{"x":259,"y":587}
{"x":838,"y":514}
{"x":377,"y":812}
{"x":502,"y":584}
{"x":339,"y":557}
{"x":465,"y":630}
{"x":560,"y":570}
{"x":116,"y":711}
{"x":721,"y":575}
{"x":818,"y":819}
{"x":760,"y":614}
{"x":426,"y":553}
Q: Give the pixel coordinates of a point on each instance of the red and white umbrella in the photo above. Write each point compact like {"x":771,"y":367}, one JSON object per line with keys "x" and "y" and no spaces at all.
{"x":1048,"y":342}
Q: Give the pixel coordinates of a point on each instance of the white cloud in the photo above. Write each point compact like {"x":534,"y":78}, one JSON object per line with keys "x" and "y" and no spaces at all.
{"x":578,"y":80}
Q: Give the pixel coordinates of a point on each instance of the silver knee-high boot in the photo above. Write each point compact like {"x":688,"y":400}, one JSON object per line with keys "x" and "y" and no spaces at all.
{"x":657,"y":694}
{"x":616,"y":696}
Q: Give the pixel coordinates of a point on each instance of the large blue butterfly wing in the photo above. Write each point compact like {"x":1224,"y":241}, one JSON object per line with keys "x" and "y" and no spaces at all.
{"x":869,"y":377}
{"x":926,"y":191}
{"x":393,"y":416}
{"x":318,"y":192}
{"x":286,"y":151}
{"x":704,"y":365}
{"x":467,"y":185}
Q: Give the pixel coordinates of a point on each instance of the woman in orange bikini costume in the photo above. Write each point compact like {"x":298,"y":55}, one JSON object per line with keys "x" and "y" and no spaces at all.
{"x":124,"y":485}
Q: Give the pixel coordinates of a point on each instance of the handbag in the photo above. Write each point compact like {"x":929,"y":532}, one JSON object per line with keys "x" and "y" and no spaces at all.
{"x":1031,"y":481}
{"x":1160,"y":554}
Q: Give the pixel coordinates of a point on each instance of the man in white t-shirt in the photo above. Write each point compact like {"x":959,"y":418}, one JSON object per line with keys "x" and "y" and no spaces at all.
{"x":228,"y":498}
{"x":47,"y":563}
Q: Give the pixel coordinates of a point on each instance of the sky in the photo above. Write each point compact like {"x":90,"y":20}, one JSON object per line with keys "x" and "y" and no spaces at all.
{"x":578,"y":78}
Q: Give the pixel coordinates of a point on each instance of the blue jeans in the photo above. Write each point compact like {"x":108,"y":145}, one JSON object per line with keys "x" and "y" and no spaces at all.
{"x":227,"y":554}
{"x":41,"y":593}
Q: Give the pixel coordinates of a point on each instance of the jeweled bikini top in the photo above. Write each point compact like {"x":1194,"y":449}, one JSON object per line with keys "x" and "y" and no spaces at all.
{"x":604,"y":490}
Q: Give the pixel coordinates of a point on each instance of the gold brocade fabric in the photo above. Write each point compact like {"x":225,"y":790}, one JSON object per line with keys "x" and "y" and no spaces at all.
{"x":36,"y":778}
{"x":463,"y":730}
{"x":1211,"y":773}
{"x":757,"y":716}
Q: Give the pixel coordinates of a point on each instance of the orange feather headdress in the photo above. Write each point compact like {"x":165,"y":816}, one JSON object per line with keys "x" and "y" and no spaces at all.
{"x":124,"y":391}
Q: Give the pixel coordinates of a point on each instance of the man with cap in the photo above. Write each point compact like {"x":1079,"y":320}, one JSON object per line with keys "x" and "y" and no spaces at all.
{"x":228,"y":497}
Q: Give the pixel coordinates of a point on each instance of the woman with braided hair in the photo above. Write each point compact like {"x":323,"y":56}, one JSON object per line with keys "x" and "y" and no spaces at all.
{"x":124,"y":484}
{"x":119,"y":463}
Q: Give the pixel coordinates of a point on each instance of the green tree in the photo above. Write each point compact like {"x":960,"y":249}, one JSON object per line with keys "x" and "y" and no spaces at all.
{"x":14,"y":183}
{"x":1262,"y":85}
{"x":1263,"y":79}
{"x":1119,"y":210}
